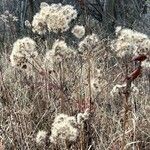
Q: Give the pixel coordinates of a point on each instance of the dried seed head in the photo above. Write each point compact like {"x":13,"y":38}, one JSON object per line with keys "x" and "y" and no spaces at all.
{"x":146,"y":64}
{"x":120,"y":88}
{"x":54,"y":17}
{"x":89,"y":43}
{"x":40,"y":137}
{"x":63,"y":128}
{"x":78,"y":31}
{"x":81,"y":117}
{"x":23,"y":53}
{"x":130,"y":42}
{"x":27,"y":24}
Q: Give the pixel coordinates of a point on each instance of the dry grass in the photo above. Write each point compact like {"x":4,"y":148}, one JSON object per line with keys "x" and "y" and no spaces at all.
{"x":29,"y":102}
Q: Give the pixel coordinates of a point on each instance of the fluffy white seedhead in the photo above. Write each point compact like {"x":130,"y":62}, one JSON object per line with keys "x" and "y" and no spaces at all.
{"x":115,"y":90}
{"x":60,"y":47}
{"x":64,"y":128}
{"x":69,"y":12}
{"x":129,"y":35}
{"x":23,"y":52}
{"x":54,"y":17}
{"x":60,"y":118}
{"x":27,"y":23}
{"x":119,"y":88}
{"x":40,"y":137}
{"x":39,"y":24}
{"x":146,"y":64}
{"x":130,"y":42}
{"x":118,"y":29}
{"x":89,"y":43}
{"x":81,"y":117}
{"x":78,"y":31}
{"x":43,"y":4}
{"x":60,"y":51}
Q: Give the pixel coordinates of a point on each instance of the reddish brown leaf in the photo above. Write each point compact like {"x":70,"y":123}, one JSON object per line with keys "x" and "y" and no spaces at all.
{"x":140,"y":57}
{"x":134,"y":74}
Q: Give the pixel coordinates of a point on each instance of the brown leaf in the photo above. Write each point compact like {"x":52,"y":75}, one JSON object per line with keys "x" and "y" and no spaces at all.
{"x":134,"y":74}
{"x":140,"y":57}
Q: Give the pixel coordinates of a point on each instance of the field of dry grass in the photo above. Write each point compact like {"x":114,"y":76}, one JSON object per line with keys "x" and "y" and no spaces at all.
{"x":102,"y":85}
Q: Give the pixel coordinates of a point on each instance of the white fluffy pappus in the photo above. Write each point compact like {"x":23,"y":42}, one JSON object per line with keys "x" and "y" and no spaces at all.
{"x":24,"y":50}
{"x":130,"y":42}
{"x":63,"y":128}
{"x":89,"y":43}
{"x":78,"y":31}
{"x":54,"y":18}
{"x":119,"y":88}
{"x":41,"y":136}
{"x":67,"y":128}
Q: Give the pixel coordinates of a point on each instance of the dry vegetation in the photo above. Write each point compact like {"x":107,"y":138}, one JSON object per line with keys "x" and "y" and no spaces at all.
{"x":86,"y":94}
